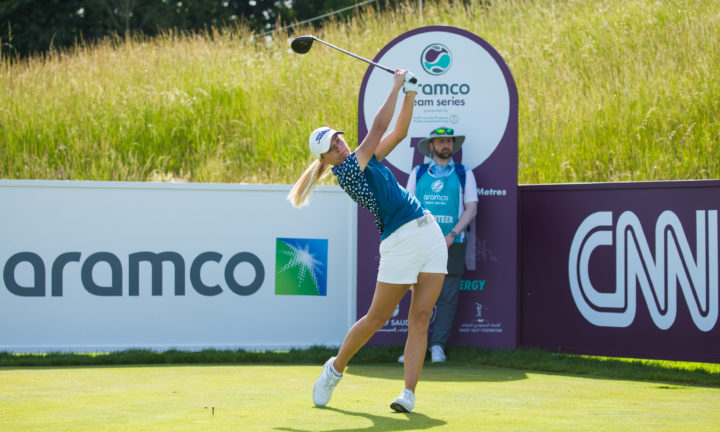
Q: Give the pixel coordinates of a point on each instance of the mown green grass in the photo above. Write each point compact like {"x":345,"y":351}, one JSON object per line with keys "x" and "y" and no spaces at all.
{"x":609,"y":90}
{"x":706,"y":374}
{"x":257,"y":397}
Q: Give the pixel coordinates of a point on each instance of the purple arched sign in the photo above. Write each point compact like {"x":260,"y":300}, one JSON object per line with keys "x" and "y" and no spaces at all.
{"x":464,"y":84}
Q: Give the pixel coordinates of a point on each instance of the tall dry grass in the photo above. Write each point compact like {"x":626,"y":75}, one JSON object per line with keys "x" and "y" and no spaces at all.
{"x":609,"y":90}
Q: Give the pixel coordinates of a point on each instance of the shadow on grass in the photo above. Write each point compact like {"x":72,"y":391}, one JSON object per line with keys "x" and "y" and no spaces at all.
{"x":704,"y":374}
{"x":446,"y":372}
{"x":393,"y":422}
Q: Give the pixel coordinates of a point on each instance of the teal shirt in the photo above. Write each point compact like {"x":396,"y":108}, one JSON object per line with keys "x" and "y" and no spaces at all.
{"x":377,"y":190}
{"x":440,"y":192}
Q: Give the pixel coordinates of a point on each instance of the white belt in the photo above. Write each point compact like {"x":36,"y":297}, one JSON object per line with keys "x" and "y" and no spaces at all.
{"x":427,"y":218}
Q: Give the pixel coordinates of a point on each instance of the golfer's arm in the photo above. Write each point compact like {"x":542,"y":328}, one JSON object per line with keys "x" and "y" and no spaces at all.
{"x":400,"y":131}
{"x":380,"y":123}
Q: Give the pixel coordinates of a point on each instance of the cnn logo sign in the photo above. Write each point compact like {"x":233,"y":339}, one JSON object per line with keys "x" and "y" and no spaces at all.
{"x":673,"y":268}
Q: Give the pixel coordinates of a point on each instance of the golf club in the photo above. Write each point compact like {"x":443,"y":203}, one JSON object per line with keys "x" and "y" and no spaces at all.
{"x":302,"y":44}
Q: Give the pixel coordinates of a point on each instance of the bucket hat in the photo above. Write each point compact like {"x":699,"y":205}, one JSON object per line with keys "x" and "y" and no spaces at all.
{"x":441,"y":132}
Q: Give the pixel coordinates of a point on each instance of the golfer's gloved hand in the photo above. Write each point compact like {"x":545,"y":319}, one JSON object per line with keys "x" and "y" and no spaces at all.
{"x":411,"y":83}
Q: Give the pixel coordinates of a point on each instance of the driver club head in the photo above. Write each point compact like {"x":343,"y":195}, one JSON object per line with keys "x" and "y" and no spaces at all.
{"x":302,"y":44}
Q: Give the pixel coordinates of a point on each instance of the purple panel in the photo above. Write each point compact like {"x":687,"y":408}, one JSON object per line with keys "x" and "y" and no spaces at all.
{"x":487,"y":311}
{"x":552,"y":318}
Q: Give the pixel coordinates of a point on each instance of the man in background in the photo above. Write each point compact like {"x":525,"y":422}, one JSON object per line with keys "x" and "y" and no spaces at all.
{"x":449,"y":191}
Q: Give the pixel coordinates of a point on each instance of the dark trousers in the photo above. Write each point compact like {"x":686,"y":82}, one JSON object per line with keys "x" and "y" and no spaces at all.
{"x":445,"y":314}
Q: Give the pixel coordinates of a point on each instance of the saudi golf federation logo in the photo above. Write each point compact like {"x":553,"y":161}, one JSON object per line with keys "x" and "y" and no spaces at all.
{"x":301,"y":266}
{"x":478,"y":312}
{"x":436,"y":59}
{"x":437,"y":186}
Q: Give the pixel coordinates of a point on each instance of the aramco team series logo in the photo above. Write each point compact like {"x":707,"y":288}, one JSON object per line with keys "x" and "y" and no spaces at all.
{"x":436,"y":59}
{"x":301,"y":266}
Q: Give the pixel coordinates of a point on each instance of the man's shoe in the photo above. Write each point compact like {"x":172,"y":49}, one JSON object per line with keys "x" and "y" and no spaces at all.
{"x":437,"y":354}
{"x":326,"y":382}
{"x":405,"y":402}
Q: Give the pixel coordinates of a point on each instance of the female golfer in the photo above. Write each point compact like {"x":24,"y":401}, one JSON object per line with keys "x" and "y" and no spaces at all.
{"x":412,"y":248}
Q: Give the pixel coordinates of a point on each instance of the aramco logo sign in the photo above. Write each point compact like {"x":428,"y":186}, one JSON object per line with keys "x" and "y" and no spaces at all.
{"x":301,"y":269}
{"x":674,"y":268}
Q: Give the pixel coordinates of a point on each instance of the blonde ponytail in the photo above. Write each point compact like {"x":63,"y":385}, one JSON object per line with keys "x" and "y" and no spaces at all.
{"x":299,"y":195}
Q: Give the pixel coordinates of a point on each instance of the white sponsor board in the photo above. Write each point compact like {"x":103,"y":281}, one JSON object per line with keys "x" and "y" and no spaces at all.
{"x":103,"y":266}
{"x":461,"y":86}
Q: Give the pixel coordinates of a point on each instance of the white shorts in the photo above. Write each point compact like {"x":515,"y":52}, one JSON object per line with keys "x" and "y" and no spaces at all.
{"x":416,"y":247}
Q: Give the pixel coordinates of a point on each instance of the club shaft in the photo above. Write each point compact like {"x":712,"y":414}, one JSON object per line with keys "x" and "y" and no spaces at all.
{"x":357,"y":56}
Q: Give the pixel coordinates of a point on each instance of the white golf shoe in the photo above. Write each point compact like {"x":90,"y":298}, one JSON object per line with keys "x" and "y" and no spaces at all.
{"x":326,"y":382}
{"x":437,"y":354}
{"x":405,"y":402}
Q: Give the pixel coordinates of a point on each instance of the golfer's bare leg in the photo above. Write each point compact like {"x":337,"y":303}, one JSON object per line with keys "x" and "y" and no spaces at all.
{"x":424,"y":296}
{"x":386,"y":298}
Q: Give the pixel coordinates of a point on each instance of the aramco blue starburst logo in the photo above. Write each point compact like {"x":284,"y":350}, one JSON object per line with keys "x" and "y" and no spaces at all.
{"x":301,"y":266}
